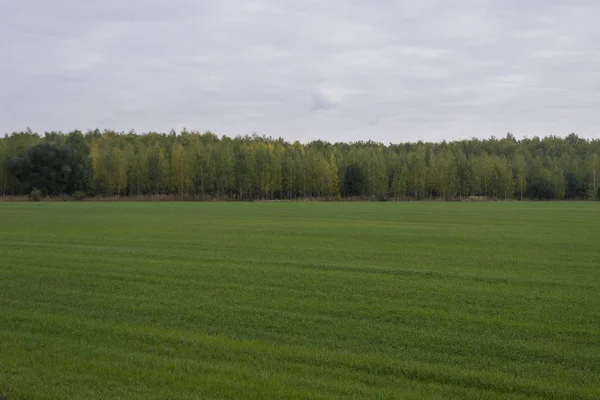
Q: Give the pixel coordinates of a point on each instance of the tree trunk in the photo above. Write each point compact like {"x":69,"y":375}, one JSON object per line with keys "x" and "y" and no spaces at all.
{"x":521,"y":180}
{"x":595,"y":194}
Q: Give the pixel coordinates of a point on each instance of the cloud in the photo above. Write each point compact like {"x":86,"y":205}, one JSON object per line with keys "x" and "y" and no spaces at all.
{"x":336,"y":70}
{"x":328,"y":97}
{"x":321,"y":102}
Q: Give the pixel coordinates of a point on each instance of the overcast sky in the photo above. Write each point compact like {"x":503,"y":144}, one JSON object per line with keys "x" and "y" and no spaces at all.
{"x":339,"y":70}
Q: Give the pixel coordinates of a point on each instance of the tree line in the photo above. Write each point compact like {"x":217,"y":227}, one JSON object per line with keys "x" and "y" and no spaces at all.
{"x":204,"y":165}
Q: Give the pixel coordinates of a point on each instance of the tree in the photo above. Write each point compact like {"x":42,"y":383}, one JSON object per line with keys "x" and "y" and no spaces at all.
{"x":399,"y":177}
{"x":99,"y":175}
{"x":252,"y":167}
{"x":48,"y":168}
{"x":137,"y":168}
{"x":224,"y":168}
{"x":558,"y":179}
{"x":416,"y":173}
{"x":19,"y":169}
{"x":540,"y":181}
{"x":3,"y":168}
{"x":16,"y":147}
{"x":119,"y":168}
{"x":520,"y":173}
{"x":594,"y":175}
{"x":354,"y":180}
{"x":334,"y":181}
{"x":204,"y":167}
{"x":181,"y":170}
{"x":244,"y":169}
{"x":81,"y":177}
{"x":158,"y":170}
{"x":507,"y":182}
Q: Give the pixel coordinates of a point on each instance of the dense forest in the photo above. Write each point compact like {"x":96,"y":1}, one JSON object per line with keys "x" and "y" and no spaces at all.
{"x":192,"y":165}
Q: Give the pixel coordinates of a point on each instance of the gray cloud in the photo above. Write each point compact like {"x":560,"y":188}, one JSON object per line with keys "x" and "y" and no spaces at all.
{"x":321,"y":102}
{"x":336,"y":70}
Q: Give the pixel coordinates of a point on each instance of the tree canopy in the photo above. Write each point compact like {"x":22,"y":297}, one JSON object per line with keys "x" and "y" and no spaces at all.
{"x":193,"y":164}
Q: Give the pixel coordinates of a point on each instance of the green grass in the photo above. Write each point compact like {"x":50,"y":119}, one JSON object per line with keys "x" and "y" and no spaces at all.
{"x":299,"y":300}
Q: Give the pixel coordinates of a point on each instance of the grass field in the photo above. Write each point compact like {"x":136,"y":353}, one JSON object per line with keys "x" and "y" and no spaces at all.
{"x":299,"y":300}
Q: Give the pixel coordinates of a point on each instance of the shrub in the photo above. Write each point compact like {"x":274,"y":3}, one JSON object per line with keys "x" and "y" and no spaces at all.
{"x":79,"y":196}
{"x":35,"y":195}
{"x":382,"y":196}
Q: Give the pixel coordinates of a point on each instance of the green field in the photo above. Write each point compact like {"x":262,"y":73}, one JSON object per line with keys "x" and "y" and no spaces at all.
{"x":299,"y":300}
